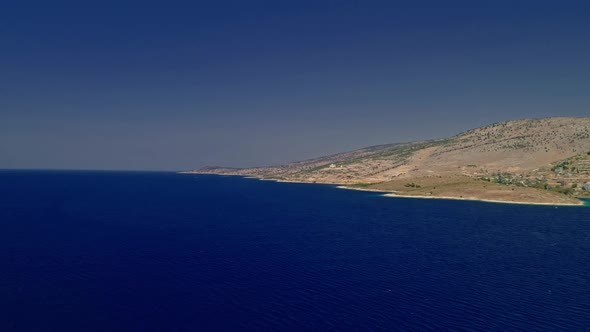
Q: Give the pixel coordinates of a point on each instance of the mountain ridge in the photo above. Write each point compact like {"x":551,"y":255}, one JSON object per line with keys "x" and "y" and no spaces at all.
{"x":525,"y":150}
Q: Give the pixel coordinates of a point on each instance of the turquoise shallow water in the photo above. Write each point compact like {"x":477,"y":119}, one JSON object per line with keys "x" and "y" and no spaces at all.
{"x":100,"y":251}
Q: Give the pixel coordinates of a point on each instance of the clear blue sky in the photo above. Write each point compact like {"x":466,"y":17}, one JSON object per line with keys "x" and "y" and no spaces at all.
{"x":172,"y":86}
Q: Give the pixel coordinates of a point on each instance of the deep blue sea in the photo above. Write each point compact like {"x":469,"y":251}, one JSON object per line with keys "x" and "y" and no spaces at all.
{"x":118,"y":251}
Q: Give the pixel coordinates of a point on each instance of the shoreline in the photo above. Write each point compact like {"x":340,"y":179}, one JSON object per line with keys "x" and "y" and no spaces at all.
{"x":481,"y":200}
{"x":390,"y":193}
{"x":365,"y":189}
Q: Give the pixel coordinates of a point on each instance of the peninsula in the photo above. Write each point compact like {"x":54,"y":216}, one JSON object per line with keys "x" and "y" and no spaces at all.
{"x":536,"y":161}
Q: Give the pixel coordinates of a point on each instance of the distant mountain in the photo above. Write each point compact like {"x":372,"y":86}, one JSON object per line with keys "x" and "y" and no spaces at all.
{"x":527,"y":152}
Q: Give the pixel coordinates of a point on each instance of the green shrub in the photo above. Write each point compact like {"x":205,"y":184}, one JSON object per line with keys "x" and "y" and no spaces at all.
{"x":412,"y":185}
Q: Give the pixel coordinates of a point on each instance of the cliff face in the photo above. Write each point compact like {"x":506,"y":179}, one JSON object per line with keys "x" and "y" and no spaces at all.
{"x":522,"y":147}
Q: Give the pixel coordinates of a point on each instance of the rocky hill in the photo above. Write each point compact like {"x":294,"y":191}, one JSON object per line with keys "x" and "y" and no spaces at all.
{"x":536,"y":153}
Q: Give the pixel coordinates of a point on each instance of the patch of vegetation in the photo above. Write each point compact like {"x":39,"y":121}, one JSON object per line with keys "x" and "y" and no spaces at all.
{"x":412,"y":185}
{"x":562,"y":165}
{"x":503,"y":178}
{"x":565,"y":191}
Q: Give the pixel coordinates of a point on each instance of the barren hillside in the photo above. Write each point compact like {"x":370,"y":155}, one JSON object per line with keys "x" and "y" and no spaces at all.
{"x":528,"y":152}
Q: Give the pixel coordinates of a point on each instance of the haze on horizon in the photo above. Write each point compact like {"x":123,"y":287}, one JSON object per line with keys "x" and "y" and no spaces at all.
{"x":246,"y":83}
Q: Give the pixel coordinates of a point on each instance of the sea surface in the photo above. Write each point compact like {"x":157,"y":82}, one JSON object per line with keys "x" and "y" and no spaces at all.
{"x":120,"y":251}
